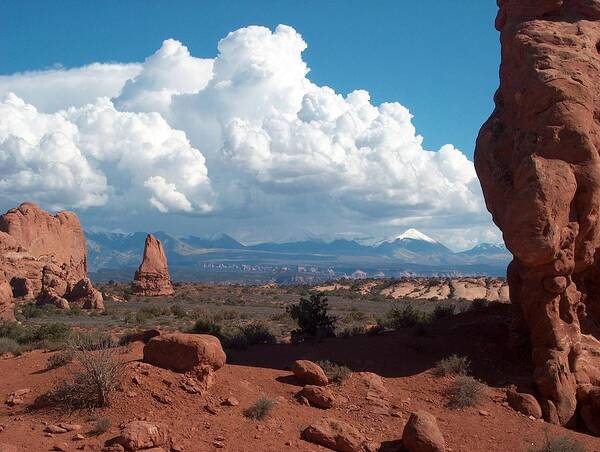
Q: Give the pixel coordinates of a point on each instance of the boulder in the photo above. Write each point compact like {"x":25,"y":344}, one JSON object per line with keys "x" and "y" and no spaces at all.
{"x":524,"y":403}
{"x":43,"y":257}
{"x":183,"y":352}
{"x":335,"y":435}
{"x":538,"y":163}
{"x":309,"y":373}
{"x":152,"y":277}
{"x":140,"y":435}
{"x":317,"y":396}
{"x":422,"y":434}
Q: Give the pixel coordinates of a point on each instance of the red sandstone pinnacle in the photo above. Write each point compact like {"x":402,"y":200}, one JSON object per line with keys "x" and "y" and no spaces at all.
{"x":538,"y":163}
{"x":43,"y":257}
{"x":152,"y":278}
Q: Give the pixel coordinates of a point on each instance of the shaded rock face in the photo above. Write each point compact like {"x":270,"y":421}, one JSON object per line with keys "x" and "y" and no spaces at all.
{"x":538,"y":163}
{"x":43,"y":257}
{"x":152,"y":278}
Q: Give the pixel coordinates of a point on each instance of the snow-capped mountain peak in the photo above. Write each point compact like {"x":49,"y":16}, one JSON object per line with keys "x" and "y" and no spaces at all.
{"x":413,"y":234}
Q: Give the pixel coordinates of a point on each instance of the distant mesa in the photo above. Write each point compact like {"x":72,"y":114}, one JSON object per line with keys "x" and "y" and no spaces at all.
{"x":152,"y":278}
{"x":43,"y":257}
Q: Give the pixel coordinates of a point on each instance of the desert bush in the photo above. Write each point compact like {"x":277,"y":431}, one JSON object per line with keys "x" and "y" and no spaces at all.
{"x":8,"y":345}
{"x":92,"y":340}
{"x":478,"y":304}
{"x":35,"y":335}
{"x":60,"y":359}
{"x":453,"y":364}
{"x":260,"y":409}
{"x":443,"y":310}
{"x":407,"y":316}
{"x":178,"y":311}
{"x":258,"y":333}
{"x":560,"y":444}
{"x":374,"y":330}
{"x":97,"y":376}
{"x":312,"y":317}
{"x":336,"y":373}
{"x":354,"y":330}
{"x":465,"y":391}
{"x":355,"y":315}
{"x":102,"y":425}
{"x":207,"y":326}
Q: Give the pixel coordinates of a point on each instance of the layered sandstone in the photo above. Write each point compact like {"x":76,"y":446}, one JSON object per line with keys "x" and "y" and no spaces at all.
{"x":152,"y":277}
{"x":43,"y":258}
{"x":538,"y":162}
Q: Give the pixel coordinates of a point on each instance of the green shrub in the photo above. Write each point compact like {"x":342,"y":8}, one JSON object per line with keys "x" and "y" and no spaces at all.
{"x":260,"y":409}
{"x":376,"y":329}
{"x":102,"y":425}
{"x":47,"y":333}
{"x":178,"y":311}
{"x":443,"y":310}
{"x":465,"y":391}
{"x":92,"y":340}
{"x":60,"y":359}
{"x":454,"y":364}
{"x":478,"y":304}
{"x":312,"y":317}
{"x":336,"y":373}
{"x":560,"y":444}
{"x":206,"y":326}
{"x":258,"y":333}
{"x":408,"y":316}
{"x":8,"y":345}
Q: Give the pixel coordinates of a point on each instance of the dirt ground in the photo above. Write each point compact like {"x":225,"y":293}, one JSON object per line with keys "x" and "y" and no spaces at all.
{"x":405,"y":359}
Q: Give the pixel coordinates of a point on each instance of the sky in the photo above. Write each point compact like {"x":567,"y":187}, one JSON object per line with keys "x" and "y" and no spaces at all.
{"x":267,"y":120}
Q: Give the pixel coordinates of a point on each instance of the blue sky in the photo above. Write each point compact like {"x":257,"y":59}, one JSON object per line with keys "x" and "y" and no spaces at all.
{"x":439,"y":58}
{"x":200,"y":117}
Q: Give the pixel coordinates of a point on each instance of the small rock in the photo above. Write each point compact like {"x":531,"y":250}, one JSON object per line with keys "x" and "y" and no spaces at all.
{"x":210,"y":409}
{"x":230,"y":401}
{"x":70,"y":427}
{"x":137,"y":380}
{"x":16,"y":397}
{"x":484,"y":413}
{"x":317,"y":396}
{"x":335,"y":435}
{"x":218,"y":444}
{"x":62,"y":447}
{"x":422,"y":434}
{"x":55,"y":429}
{"x":309,"y":373}
{"x":524,"y":403}
{"x":78,"y":437}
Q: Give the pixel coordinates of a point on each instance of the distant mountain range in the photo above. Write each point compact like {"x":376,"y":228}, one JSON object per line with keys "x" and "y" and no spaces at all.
{"x":223,"y":258}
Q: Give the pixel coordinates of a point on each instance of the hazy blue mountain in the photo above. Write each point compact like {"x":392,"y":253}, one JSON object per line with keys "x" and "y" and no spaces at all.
{"x":304,"y":260}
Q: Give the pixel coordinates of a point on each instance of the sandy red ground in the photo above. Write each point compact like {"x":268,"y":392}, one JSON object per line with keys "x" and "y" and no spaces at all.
{"x":404,"y":359}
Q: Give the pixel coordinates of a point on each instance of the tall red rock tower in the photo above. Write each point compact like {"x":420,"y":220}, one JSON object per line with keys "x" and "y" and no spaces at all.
{"x":152,"y":278}
{"x":538,"y":161}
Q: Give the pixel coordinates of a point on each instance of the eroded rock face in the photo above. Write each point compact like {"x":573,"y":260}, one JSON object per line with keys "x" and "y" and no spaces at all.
{"x":43,"y":257}
{"x":538,"y":163}
{"x":152,"y":278}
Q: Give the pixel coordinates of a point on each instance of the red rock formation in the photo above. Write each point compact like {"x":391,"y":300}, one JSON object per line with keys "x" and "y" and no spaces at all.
{"x":538,"y":162}
{"x":152,"y":278}
{"x":43,"y":257}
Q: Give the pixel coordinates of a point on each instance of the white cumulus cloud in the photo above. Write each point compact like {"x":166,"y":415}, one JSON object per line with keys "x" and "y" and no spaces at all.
{"x":245,"y":134}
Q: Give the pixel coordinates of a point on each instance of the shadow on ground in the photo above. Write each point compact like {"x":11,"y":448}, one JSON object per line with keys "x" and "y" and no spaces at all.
{"x":482,"y":336}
